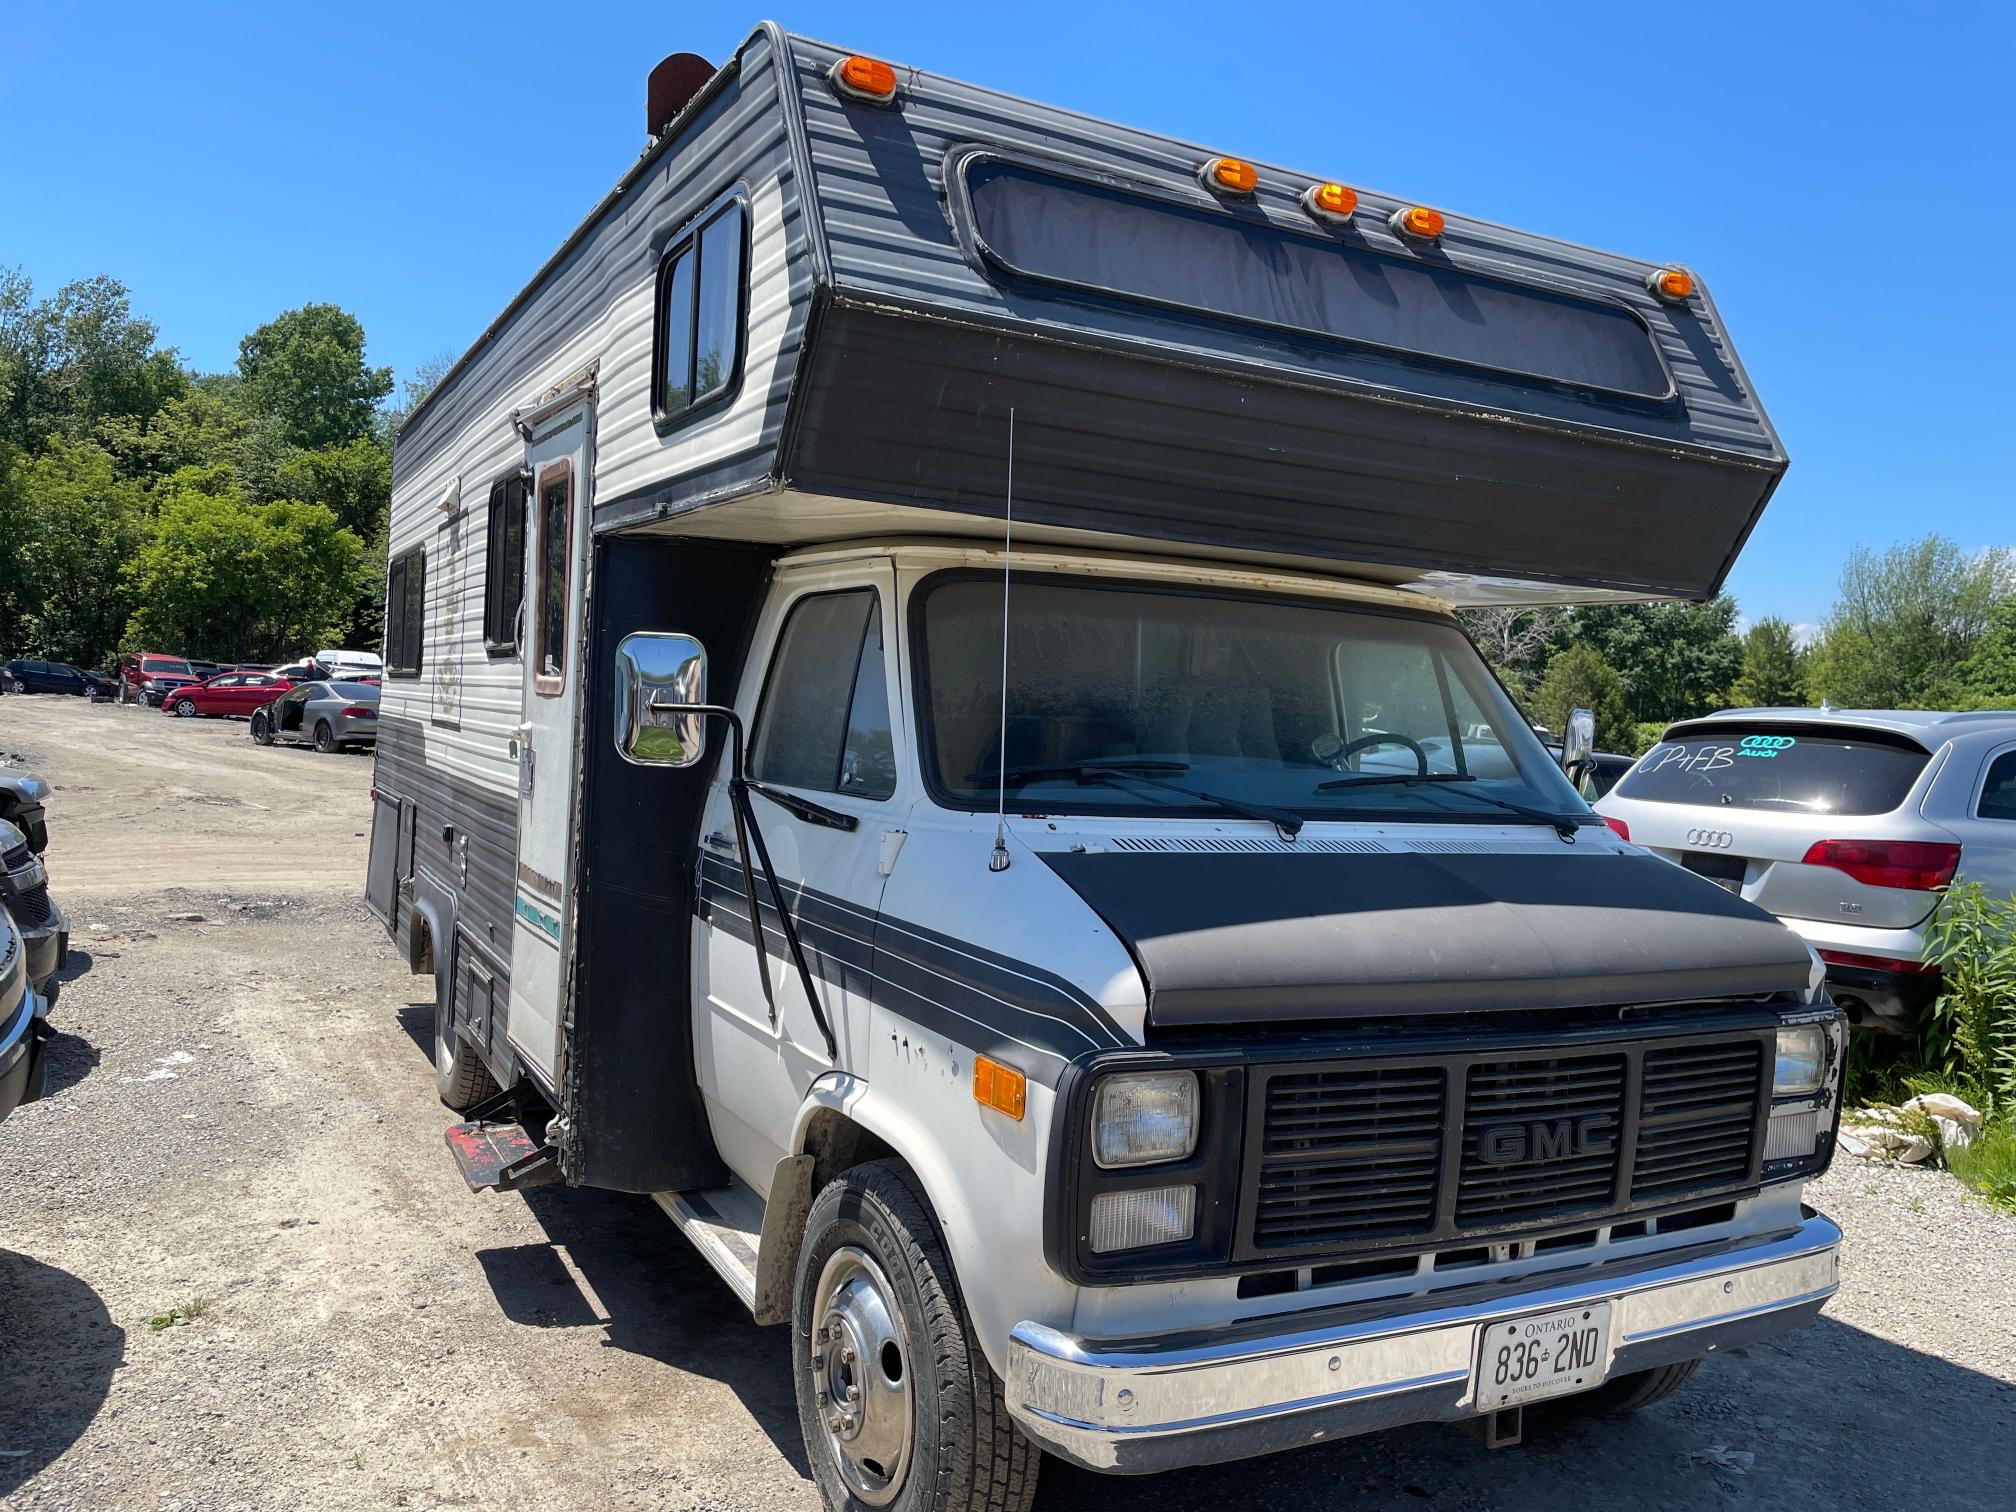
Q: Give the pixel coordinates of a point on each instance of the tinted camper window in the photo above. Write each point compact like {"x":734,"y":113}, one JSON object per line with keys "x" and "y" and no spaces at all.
{"x":701,"y":304}
{"x":504,"y":565}
{"x":405,"y":603}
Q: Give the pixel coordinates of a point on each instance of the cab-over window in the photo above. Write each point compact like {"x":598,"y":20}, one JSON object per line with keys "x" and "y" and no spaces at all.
{"x":701,"y":305}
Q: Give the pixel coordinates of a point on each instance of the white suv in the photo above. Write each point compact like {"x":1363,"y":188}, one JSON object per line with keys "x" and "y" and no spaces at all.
{"x":1843,"y":822}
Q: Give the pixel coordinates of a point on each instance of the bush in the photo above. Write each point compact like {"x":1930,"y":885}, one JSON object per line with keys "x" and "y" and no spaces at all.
{"x":1970,"y":1030}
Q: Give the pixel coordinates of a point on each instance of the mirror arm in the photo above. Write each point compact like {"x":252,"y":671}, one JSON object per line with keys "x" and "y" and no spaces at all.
{"x":746,"y":831}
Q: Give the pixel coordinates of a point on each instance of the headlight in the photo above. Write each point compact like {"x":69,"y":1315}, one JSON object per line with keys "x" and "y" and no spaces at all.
{"x":1142,"y":1117}
{"x":1802,"y":1060}
{"x":151,"y":685}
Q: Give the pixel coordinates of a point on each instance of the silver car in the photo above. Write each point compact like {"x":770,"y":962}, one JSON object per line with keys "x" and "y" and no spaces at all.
{"x":1845,"y":823}
{"x":327,"y":715}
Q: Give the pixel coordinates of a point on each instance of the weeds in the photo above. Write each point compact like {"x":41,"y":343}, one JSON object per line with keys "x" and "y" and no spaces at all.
{"x":1989,"y":1164}
{"x":180,"y":1314}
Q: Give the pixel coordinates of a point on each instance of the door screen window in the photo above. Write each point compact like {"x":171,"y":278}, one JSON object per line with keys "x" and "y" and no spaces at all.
{"x":556,"y":521}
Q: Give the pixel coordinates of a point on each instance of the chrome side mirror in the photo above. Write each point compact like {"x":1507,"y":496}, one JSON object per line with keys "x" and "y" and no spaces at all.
{"x":1578,"y":742}
{"x":654,"y":673}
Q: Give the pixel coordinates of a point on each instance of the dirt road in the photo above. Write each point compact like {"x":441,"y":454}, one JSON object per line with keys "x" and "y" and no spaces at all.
{"x":242,"y":1125}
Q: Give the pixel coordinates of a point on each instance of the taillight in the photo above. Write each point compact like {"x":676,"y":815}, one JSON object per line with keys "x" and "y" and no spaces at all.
{"x":1623,"y":830}
{"x":361,"y":711}
{"x":1875,"y":962}
{"x":1914,"y":865}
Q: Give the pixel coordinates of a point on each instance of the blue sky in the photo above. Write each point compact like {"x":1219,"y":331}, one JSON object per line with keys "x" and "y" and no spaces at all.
{"x":1841,"y":176}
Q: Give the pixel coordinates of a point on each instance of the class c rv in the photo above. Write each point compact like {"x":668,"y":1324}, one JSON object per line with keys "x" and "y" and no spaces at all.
{"x":926,"y":729}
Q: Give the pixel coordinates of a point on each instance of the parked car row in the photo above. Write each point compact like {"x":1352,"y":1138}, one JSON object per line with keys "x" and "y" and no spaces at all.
{"x":34,"y":939}
{"x":328,"y":700}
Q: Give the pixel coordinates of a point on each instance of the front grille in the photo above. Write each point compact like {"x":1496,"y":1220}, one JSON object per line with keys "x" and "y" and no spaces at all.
{"x":1558,"y":1119}
{"x":1348,"y":1154}
{"x":1697,"y":1118}
{"x":1454,"y":1147}
{"x":31,"y":908}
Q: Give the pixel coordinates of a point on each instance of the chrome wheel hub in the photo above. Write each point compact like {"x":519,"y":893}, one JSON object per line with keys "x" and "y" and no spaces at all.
{"x":860,"y":1365}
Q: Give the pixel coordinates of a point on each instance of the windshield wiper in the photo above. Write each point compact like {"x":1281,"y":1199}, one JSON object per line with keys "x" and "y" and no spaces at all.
{"x":1114,"y":769}
{"x":1563,"y":825}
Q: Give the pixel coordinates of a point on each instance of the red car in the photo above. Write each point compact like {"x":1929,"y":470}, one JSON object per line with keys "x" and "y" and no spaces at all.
{"x":236,"y":693}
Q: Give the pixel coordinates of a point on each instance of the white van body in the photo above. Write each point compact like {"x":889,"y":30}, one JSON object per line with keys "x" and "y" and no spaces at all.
{"x":1141,"y":990}
{"x":351,"y":663}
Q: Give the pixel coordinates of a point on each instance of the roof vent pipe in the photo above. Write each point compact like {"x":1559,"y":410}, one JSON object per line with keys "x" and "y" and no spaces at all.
{"x":671,"y":88}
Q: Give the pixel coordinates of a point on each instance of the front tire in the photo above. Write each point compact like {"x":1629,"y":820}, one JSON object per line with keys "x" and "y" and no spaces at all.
{"x":184,"y":709}
{"x":1627,"y":1393}
{"x":897,"y":1404}
{"x":262,"y":729}
{"x":20,"y":686}
{"x":325,"y":738}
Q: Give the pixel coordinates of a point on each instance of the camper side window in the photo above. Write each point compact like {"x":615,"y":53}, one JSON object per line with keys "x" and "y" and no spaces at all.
{"x":504,"y":565}
{"x":405,"y":605}
{"x":701,"y":301}
{"x":824,"y":724}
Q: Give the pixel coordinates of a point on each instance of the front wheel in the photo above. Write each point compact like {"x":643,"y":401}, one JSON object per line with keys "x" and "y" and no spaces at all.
{"x":262,"y":729}
{"x":325,"y":738}
{"x":20,"y":686}
{"x":898,"y":1406}
{"x":184,"y":709}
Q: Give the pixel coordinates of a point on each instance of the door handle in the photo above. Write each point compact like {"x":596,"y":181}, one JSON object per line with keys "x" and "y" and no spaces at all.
{"x":720,"y":842}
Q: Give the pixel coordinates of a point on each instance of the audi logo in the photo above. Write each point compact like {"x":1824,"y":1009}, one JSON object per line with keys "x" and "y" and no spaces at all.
{"x":1707,"y":839}
{"x":1768,"y":742}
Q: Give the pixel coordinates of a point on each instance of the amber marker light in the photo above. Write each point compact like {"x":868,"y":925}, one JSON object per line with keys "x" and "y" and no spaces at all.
{"x":1674,"y":285}
{"x":1330,"y":202}
{"x":1419,"y":222}
{"x":1002,"y":1088}
{"x":1223,"y":175}
{"x":867,"y":79}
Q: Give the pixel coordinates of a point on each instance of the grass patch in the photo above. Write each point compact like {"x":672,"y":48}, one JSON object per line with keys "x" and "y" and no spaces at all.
{"x":1989,"y":1164}
{"x":180,"y":1315}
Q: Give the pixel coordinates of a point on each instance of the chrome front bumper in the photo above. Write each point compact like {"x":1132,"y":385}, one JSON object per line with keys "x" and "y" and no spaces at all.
{"x":1143,"y":1404}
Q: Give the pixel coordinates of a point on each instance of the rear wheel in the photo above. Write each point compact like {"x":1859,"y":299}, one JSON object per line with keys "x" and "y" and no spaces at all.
{"x":459,"y":1073}
{"x":325,"y":738}
{"x":262,"y":729}
{"x":184,"y":709}
{"x":20,"y":686}
{"x":1627,"y":1393}
{"x":897,"y":1404}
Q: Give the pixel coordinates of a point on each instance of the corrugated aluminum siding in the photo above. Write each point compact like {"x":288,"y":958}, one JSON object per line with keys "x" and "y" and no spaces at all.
{"x":880,"y":175}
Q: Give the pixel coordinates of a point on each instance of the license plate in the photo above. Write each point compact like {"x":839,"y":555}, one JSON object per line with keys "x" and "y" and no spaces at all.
{"x":1542,"y":1355}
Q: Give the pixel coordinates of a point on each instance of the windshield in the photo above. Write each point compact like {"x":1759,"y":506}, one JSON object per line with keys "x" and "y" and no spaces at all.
{"x":1331,"y":711}
{"x":1767,"y":767}
{"x":165,"y":664}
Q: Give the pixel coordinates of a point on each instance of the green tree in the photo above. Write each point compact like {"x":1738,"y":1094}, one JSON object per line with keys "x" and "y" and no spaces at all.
{"x":78,"y":522}
{"x":1674,"y":660}
{"x":1987,"y":679}
{"x":305,"y":369}
{"x":241,"y":581}
{"x":1905,"y":621}
{"x":1774,"y":667}
{"x":1579,"y":678}
{"x":426,"y":378}
{"x":76,"y":360}
{"x":353,"y":481}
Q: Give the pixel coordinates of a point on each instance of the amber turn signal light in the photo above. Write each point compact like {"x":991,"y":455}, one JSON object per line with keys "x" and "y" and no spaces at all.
{"x":1002,"y":1088}
{"x":865,"y":79}
{"x":1674,"y":285}
{"x":1418,"y":222}
{"x":1331,"y":202}
{"x":1223,"y":175}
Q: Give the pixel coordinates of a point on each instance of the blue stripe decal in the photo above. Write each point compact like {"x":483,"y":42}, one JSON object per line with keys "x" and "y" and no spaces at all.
{"x":546,"y":923}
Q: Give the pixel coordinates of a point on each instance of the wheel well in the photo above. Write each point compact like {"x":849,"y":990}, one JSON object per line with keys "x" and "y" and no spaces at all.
{"x":421,"y":956}
{"x":836,"y":1143}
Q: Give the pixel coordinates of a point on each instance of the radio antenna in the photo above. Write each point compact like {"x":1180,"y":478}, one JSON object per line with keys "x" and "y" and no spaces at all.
{"x":999,"y":860}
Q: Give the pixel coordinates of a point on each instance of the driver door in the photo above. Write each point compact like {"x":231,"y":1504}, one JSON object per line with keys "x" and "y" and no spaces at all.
{"x":825,"y":726}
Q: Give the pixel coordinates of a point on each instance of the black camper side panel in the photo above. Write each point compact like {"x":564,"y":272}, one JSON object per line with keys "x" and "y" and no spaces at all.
{"x":632,"y":1099}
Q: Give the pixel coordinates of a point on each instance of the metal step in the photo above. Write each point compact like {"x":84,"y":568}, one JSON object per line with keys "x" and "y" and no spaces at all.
{"x":726,"y":1225}
{"x":501,"y":1157}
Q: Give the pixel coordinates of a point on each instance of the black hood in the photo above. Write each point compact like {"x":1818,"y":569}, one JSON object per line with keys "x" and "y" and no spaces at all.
{"x":1223,"y":938}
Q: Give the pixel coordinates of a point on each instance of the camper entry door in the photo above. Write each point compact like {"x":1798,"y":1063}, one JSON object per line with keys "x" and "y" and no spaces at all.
{"x":556,"y":569}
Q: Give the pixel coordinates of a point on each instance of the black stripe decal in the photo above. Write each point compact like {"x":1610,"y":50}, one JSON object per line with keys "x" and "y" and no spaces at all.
{"x":1022,"y":1014}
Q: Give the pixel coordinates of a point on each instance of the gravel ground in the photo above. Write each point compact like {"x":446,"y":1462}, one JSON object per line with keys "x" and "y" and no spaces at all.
{"x":242,"y":1123}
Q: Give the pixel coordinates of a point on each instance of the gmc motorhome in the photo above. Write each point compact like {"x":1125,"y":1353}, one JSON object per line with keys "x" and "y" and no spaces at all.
{"x":925,"y":728}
